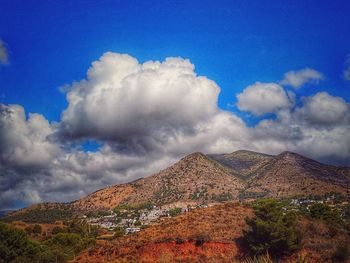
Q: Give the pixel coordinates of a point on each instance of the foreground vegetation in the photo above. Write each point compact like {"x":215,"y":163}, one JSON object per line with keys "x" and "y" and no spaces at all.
{"x":275,"y":228}
{"x":266,"y":230}
{"x":42,"y":216}
{"x":61,"y":246}
{"x":272,"y":230}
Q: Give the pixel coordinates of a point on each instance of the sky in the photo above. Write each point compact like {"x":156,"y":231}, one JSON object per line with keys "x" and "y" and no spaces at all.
{"x":94,"y":93}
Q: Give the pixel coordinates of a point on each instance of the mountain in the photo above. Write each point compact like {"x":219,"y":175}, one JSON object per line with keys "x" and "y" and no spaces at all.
{"x":199,"y":178}
{"x":290,"y":174}
{"x":195,"y":178}
{"x":244,"y":163}
{"x":285,"y":175}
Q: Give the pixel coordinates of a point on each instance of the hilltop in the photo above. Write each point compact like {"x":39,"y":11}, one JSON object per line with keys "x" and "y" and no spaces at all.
{"x":199,"y":178}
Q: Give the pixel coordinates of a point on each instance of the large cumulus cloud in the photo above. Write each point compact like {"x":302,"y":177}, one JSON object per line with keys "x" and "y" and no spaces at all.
{"x":24,"y":152}
{"x":148,"y":115}
{"x":138,"y":106}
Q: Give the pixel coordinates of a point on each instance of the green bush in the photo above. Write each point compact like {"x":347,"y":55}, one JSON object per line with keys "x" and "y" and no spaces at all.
{"x":272,"y":230}
{"x":325,"y":212}
{"x":65,"y":246}
{"x":119,"y":231}
{"x":175,"y":211}
{"x":15,"y":246}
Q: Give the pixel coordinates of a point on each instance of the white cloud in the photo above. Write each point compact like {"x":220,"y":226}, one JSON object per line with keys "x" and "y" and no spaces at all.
{"x":346,"y":73}
{"x":319,"y":129}
{"x":25,"y":150}
{"x":24,"y":141}
{"x":138,"y":106}
{"x":262,"y":98}
{"x":296,"y":79}
{"x":323,"y":108}
{"x":3,"y":53}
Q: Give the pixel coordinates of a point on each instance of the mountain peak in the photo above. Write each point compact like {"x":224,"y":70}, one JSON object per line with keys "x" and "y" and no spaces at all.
{"x":288,"y":155}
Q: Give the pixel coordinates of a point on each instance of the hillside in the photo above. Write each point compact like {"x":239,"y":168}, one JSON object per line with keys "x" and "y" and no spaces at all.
{"x":212,"y":234}
{"x":191,"y":237}
{"x":199,"y":178}
{"x":290,"y":174}
{"x":195,"y":178}
{"x":244,"y":163}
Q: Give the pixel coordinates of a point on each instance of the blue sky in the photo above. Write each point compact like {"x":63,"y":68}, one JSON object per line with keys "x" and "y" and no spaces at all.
{"x":235,"y":43}
{"x":283,"y":68}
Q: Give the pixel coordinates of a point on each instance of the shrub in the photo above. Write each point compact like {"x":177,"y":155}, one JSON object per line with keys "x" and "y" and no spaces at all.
{"x":37,"y":229}
{"x":15,"y":246}
{"x":175,"y":211}
{"x":66,"y":245}
{"x":272,"y":230}
{"x":342,"y":253}
{"x":57,"y":230}
{"x":326,"y":213}
{"x":179,"y":241}
{"x":41,"y":216}
{"x":119,"y":231}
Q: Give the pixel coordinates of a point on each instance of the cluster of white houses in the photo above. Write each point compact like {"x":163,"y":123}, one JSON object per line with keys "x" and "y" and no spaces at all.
{"x":132,"y":221}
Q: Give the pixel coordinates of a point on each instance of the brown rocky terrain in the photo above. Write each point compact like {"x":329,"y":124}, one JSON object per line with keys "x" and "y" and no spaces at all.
{"x":214,"y":178}
{"x":199,"y":178}
{"x":289,"y":174}
{"x":244,"y":163}
{"x":194,"y":178}
{"x":210,"y":234}
{"x":191,"y":237}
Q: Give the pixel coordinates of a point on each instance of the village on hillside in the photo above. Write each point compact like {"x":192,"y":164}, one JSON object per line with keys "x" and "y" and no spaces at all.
{"x":130,"y":219}
{"x":127,"y":219}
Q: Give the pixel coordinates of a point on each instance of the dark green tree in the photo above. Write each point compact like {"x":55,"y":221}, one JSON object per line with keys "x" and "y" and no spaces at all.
{"x":325,"y":212}
{"x":272,"y":230}
{"x":15,"y":246}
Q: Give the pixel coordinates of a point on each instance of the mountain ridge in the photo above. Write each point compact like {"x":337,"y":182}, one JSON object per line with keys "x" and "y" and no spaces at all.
{"x":198,"y":178}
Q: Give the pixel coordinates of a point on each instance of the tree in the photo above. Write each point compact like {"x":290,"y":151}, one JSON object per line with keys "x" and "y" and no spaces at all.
{"x":37,"y":229}
{"x":15,"y":246}
{"x":272,"y":230}
{"x":326,"y":213}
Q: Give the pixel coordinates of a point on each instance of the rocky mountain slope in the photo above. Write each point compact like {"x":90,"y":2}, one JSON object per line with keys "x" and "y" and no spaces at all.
{"x":199,"y":178}
{"x":195,"y":178}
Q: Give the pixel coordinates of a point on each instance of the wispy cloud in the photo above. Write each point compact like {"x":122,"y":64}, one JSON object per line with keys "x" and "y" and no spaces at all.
{"x":298,"y":78}
{"x":3,"y":52}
